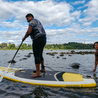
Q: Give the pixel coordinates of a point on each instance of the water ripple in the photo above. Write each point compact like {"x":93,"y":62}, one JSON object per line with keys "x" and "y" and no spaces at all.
{"x":10,"y":89}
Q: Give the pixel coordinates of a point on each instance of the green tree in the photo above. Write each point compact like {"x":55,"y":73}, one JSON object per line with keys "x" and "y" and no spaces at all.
{"x":11,"y":46}
{"x":3,"y":45}
{"x":24,"y":46}
{"x":29,"y":46}
{"x":0,"y":46}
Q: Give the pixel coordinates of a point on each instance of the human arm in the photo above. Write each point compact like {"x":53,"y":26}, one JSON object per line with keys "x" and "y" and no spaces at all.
{"x":28,"y":32}
{"x":95,"y":63}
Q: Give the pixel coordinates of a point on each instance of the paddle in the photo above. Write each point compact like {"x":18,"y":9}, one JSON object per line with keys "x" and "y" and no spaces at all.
{"x":10,"y":63}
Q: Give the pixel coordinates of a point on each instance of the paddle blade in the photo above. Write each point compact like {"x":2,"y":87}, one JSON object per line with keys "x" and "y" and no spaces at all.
{"x":12,"y":61}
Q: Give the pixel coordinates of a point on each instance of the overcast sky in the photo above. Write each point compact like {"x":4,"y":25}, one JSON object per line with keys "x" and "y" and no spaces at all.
{"x":64,"y":20}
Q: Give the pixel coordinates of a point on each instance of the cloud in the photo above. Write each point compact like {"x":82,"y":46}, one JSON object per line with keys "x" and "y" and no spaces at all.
{"x":15,"y":25}
{"x":10,"y":41}
{"x":87,"y":24}
{"x":1,"y":42}
{"x":65,"y":22}
{"x":92,"y":8}
{"x":91,"y":13}
{"x":78,"y":2}
{"x":49,"y":12}
{"x":72,"y":34}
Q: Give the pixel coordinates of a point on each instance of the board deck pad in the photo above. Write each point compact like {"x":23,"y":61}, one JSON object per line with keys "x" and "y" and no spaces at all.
{"x":48,"y":75}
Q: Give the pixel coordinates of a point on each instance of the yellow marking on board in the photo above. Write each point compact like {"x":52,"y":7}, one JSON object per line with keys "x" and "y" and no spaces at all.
{"x":2,"y":68}
{"x":72,"y":77}
{"x":32,"y":72}
{"x":9,"y":70}
{"x":23,"y":71}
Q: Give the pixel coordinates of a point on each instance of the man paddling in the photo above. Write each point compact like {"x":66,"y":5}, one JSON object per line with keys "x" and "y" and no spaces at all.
{"x":96,"y":55}
{"x":38,"y":36}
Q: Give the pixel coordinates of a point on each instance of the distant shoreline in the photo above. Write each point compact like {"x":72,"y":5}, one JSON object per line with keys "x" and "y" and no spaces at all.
{"x":65,"y":46}
{"x":49,"y":49}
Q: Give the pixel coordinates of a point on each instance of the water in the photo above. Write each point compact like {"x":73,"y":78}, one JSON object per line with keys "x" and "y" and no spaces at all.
{"x":11,"y":89}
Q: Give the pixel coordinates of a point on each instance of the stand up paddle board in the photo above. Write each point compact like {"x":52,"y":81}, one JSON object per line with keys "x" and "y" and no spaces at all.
{"x":48,"y":78}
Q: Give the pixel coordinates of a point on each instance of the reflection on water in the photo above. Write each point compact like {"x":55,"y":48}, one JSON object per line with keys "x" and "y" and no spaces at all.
{"x":10,"y":89}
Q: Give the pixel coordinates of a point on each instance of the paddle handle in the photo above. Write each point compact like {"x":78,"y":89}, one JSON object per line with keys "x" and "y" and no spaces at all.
{"x":10,"y":63}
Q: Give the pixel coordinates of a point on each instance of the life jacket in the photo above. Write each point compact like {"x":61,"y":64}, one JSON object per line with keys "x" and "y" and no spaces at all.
{"x":38,"y":30}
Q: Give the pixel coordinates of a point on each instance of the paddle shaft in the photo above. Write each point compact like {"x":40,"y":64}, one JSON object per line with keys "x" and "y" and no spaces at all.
{"x":17,"y":51}
{"x":10,"y":63}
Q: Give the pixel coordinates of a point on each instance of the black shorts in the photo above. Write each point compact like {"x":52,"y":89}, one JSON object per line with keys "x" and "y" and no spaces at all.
{"x":38,"y":46}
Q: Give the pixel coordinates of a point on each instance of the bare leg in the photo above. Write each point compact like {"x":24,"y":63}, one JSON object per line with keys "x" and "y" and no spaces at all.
{"x":37,"y":74}
{"x":37,"y":68}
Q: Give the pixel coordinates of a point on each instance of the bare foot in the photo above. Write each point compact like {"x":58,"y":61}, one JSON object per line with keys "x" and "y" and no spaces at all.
{"x":35,"y":75}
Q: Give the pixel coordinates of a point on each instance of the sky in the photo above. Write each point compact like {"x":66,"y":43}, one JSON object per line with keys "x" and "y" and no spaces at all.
{"x":63,"y":20}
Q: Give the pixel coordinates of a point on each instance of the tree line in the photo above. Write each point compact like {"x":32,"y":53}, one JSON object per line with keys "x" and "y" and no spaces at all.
{"x":9,"y":46}
{"x":70,"y":45}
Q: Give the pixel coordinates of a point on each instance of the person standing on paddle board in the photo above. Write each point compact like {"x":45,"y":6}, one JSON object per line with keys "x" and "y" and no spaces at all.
{"x":38,"y":36}
{"x":96,"y":55}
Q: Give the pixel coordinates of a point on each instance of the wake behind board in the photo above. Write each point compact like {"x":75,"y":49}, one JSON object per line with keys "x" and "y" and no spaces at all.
{"x":49,"y":78}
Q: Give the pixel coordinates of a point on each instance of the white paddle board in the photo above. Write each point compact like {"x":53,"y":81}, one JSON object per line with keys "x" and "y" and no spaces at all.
{"x":49,"y":78}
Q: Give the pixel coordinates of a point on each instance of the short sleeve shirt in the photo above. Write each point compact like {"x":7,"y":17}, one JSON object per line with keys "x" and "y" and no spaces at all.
{"x":38,"y":29}
{"x":33,"y":23}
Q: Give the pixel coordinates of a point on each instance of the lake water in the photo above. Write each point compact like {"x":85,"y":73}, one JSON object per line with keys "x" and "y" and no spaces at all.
{"x":11,"y":89}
